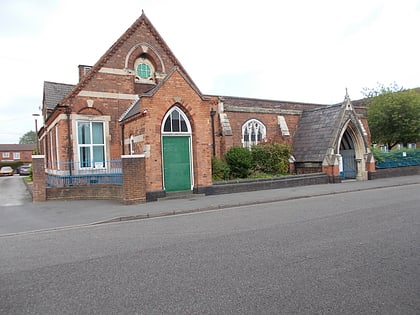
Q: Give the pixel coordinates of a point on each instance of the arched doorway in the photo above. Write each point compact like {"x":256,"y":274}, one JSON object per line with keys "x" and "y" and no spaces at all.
{"x":176,"y":151}
{"x":348,"y":155}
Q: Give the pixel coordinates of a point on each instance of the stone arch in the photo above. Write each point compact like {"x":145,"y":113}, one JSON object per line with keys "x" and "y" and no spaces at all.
{"x":147,"y":50}
{"x":351,"y":141}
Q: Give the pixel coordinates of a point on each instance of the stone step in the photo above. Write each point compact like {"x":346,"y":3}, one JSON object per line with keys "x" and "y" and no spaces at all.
{"x":180,"y":195}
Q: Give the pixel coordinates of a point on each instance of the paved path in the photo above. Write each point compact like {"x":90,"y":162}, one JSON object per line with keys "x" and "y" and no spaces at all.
{"x":58,"y":214}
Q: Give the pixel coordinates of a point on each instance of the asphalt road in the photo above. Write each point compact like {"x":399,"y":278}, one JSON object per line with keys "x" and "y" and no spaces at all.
{"x":348,"y":253}
{"x":13,"y":191}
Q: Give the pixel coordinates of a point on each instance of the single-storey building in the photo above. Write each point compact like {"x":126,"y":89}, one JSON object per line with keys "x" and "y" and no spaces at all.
{"x":139,"y":100}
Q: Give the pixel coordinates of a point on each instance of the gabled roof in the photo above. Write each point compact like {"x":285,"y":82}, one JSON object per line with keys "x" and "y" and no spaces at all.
{"x":54,"y":93}
{"x":114,"y":49}
{"x":16,"y":147}
{"x":135,"y":109}
{"x":315,"y":132}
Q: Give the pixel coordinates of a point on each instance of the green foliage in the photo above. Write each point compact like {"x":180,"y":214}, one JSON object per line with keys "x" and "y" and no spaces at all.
{"x":393,"y":115}
{"x":220,"y":169}
{"x":28,"y":138}
{"x":240,"y":161}
{"x":271,"y":158}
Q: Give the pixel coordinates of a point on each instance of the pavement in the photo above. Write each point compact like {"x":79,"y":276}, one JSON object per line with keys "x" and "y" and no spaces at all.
{"x":41,"y":216}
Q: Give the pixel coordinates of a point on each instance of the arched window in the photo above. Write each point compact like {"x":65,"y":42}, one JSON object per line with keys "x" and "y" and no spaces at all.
{"x":253,"y":132}
{"x":176,"y":122}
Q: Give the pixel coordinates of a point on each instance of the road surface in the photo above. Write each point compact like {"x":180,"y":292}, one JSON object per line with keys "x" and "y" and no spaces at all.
{"x":348,"y":253}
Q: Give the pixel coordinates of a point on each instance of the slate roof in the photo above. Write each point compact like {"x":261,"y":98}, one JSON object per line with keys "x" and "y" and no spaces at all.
{"x":16,"y":147}
{"x":315,"y":133}
{"x":266,"y":104}
{"x":54,"y":93}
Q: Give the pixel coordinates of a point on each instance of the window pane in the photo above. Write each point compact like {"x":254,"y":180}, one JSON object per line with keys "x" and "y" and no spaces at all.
{"x":175,"y":121}
{"x":84,"y":157}
{"x":98,"y":156}
{"x":183,"y":125}
{"x":97,"y":133}
{"x":167,"y":126}
{"x":83,"y":133}
{"x":143,"y":70}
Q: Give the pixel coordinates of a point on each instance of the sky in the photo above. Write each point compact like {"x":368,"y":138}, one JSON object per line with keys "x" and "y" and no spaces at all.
{"x":302,"y":51}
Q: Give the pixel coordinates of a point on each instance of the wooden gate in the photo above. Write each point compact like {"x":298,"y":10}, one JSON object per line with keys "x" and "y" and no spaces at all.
{"x":349,"y":163}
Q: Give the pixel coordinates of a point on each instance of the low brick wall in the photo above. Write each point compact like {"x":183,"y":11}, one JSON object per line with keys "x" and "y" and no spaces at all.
{"x":394,"y":172}
{"x":91,"y":192}
{"x":228,"y":187}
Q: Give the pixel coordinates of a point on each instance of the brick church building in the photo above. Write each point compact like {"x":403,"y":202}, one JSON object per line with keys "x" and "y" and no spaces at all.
{"x":139,"y":100}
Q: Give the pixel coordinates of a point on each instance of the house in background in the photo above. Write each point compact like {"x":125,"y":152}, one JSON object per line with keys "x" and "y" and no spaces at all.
{"x":16,"y":152}
{"x":139,"y":100}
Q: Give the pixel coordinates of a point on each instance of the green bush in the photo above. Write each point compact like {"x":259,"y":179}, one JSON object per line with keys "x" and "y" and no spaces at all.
{"x":240,"y":161}
{"x":220,"y":169}
{"x":271,"y":158}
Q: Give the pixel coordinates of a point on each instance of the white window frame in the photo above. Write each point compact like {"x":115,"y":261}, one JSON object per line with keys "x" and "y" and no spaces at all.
{"x":16,"y":155}
{"x":6,"y":155}
{"x":184,"y":117}
{"x":250,"y":127}
{"x":56,"y":147}
{"x":91,"y":163}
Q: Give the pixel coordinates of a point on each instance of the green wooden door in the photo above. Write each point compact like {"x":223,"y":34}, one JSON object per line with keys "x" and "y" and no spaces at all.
{"x":176,"y":163}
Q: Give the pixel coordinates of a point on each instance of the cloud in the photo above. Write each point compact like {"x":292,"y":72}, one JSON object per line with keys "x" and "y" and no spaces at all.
{"x":308,"y":51}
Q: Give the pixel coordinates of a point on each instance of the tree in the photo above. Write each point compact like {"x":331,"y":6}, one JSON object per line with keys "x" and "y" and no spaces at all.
{"x":28,"y":138}
{"x":393,"y":114}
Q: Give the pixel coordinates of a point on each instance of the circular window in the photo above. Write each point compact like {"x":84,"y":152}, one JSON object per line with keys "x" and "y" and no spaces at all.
{"x":143,"y":70}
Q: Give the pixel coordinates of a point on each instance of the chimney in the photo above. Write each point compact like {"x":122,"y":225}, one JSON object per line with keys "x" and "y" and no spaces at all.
{"x":83,"y":70}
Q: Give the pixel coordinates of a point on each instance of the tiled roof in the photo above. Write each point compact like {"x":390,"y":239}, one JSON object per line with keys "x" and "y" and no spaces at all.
{"x":16,"y":147}
{"x":315,"y":132}
{"x":54,"y":93}
{"x":267,"y":104}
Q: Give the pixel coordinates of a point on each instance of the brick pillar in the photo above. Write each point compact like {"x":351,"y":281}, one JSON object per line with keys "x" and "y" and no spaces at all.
{"x":134,"y":179}
{"x":39,"y":189}
{"x":370,"y":163}
{"x":331,"y":166}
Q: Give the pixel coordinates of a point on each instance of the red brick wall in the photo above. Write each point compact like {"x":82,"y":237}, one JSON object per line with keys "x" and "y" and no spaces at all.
{"x":133,"y":187}
{"x":237,"y":119}
{"x":39,"y":178}
{"x":92,"y":192}
{"x":175,"y":92}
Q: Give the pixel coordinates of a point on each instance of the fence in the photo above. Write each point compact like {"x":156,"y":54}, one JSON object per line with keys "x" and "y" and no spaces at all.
{"x":397,"y":158}
{"x":65,"y":174}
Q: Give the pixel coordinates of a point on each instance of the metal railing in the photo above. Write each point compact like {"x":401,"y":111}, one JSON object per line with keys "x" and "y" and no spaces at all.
{"x":65,"y":174}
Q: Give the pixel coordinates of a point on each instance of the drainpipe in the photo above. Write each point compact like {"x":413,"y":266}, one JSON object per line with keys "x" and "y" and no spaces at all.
{"x":69,"y":148}
{"x":122,"y":139}
{"x":212,"y":113}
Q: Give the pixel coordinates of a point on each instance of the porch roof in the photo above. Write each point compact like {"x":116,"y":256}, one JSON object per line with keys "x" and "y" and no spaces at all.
{"x":315,"y":132}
